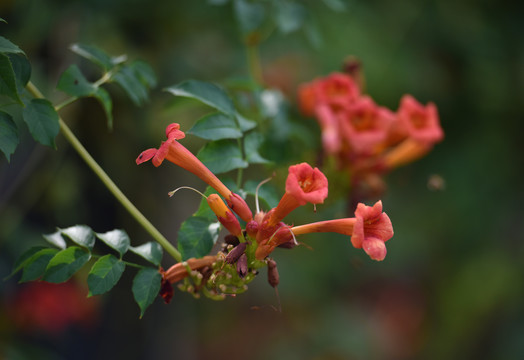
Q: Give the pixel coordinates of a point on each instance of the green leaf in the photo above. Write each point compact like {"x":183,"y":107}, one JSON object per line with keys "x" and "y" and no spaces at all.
{"x":336,"y":5}
{"x":56,"y":239}
{"x":150,"y":251}
{"x":105,"y":99}
{"x":266,"y":193}
{"x":104,"y":274}
{"x":65,"y":263}
{"x":196,"y":237}
{"x":116,"y":239}
{"x":2,"y":20}
{"x":289,"y":16}
{"x":146,"y":286}
{"x":252,"y":142}
{"x":94,"y":54}
{"x":207,"y":93}
{"x":35,"y":266}
{"x":216,"y":126}
{"x":21,"y":68}
{"x":245,"y":124}
{"x":42,"y":120}
{"x":24,"y":259}
{"x":74,"y":83}
{"x":7,"y":47}
{"x":145,"y":73}
{"x":249,"y":15}
{"x":81,"y":235}
{"x":8,"y":135}
{"x":222,"y":156}
{"x":8,"y":80}
{"x":130,"y":82}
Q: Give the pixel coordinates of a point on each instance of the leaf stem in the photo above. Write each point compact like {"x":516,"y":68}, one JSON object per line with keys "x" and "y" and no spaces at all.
{"x":253,"y":60}
{"x":111,"y":186}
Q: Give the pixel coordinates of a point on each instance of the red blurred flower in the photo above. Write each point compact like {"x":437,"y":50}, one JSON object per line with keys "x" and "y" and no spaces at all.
{"x":420,"y":122}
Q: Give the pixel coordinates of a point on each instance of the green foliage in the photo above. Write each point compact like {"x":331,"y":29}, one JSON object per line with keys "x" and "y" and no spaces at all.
{"x":35,"y":265}
{"x":8,"y":135}
{"x":196,"y":237}
{"x":150,"y":251}
{"x":146,"y":286}
{"x":116,"y":239}
{"x":42,"y":120}
{"x":7,"y":79}
{"x":65,"y":264}
{"x":222,"y":156}
{"x":81,"y":235}
{"x":216,"y":126}
{"x":104,"y":274}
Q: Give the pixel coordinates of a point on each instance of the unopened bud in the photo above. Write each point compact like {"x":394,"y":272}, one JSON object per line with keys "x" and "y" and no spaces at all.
{"x":288,"y":245}
{"x":252,"y":229}
{"x":224,"y":215}
{"x":272,"y":273}
{"x":235,"y":254}
{"x":242,"y":266}
{"x":239,"y":206}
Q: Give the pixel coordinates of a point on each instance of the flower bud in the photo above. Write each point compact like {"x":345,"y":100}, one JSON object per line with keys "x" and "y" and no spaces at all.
{"x":224,"y":215}
{"x":272,"y":273}
{"x":242,"y":265}
{"x":235,"y":254}
{"x":252,"y":229}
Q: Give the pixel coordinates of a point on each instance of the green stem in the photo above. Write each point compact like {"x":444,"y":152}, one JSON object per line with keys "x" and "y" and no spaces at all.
{"x":66,"y":102}
{"x":117,"y":193}
{"x":253,"y":60}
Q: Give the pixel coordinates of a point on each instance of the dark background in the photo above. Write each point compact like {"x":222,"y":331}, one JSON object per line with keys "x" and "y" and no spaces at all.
{"x":451,"y":285}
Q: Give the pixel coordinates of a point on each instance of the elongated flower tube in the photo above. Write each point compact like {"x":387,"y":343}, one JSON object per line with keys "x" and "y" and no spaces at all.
{"x":225,"y":216}
{"x":369,"y":229}
{"x":178,"y":154}
{"x":303,"y":185}
{"x":178,"y":271}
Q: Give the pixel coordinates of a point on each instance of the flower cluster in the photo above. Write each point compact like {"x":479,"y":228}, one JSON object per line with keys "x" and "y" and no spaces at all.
{"x":248,"y":246}
{"x":363,"y":136}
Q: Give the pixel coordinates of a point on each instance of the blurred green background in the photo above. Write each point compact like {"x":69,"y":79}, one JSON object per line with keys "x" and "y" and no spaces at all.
{"x":451,"y":285}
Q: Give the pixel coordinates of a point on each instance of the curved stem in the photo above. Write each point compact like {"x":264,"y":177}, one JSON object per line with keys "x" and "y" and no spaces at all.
{"x":111,"y":186}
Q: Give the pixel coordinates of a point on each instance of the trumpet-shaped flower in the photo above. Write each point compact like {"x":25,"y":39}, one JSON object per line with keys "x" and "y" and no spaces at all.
{"x":420,"y":122}
{"x":223,"y":215}
{"x":175,"y":152}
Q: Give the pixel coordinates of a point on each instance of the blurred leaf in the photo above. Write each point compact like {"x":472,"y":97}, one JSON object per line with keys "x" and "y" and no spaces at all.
{"x":74,"y":83}
{"x":207,"y":93}
{"x":146,"y":286}
{"x":93,"y":54}
{"x":252,"y":143}
{"x":313,"y":34}
{"x":336,"y":5}
{"x":105,"y":100}
{"x":8,"y":80}
{"x":249,"y":15}
{"x":8,"y":135}
{"x":217,"y":2}
{"x":2,"y":20}
{"x":128,"y":79}
{"x":144,"y":72}
{"x":245,"y":124}
{"x":42,"y":120}
{"x":104,"y":274}
{"x":222,"y":156}
{"x":21,"y":68}
{"x":266,"y":193}
{"x":216,"y":126}
{"x":196,"y":237}
{"x":116,"y":239}
{"x":35,"y":266}
{"x":289,"y":16}
{"x":56,"y":239}
{"x":7,"y":47}
{"x":81,"y":235}
{"x":150,"y":251}
{"x":24,"y":259}
{"x":65,"y":264}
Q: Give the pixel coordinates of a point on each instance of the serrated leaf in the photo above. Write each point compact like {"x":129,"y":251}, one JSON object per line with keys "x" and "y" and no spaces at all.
{"x":42,"y":120}
{"x":7,"y":47}
{"x":35,"y":266}
{"x":252,"y":142}
{"x":7,"y":79}
{"x":249,"y":15}
{"x":266,"y":193}
{"x":196,"y":237}
{"x":24,"y":258}
{"x":93,"y":54}
{"x":105,"y":100}
{"x":74,"y":83}
{"x":56,"y":239}
{"x":289,"y":16}
{"x":216,"y":126}
{"x":207,"y":93}
{"x":222,"y":156}
{"x":8,"y":135}
{"x":150,"y":251}
{"x":116,"y":239}
{"x":144,"y":73}
{"x":245,"y":124}
{"x":65,"y":264}
{"x":129,"y":81}
{"x":81,"y":235}
{"x":146,"y":286}
{"x":104,"y":274}
{"x":21,"y":68}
